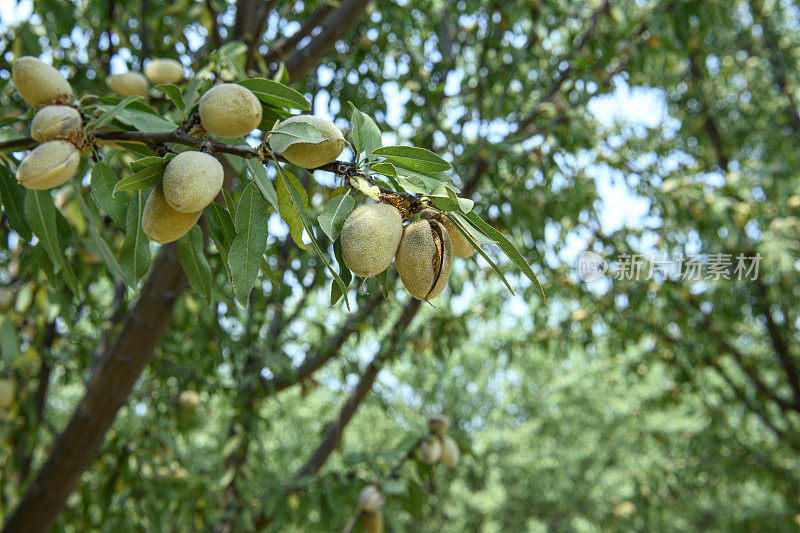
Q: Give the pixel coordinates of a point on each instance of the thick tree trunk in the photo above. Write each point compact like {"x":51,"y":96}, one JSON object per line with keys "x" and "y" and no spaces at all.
{"x":108,"y":390}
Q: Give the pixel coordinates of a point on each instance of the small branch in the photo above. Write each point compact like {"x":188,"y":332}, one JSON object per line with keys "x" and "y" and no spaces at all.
{"x":359,"y":392}
{"x":314,"y":362}
{"x":258,"y":34}
{"x":335,"y":28}
{"x":215,"y":36}
{"x":280,"y":48}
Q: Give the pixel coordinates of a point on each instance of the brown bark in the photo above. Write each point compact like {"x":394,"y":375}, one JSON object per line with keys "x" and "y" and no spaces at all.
{"x":108,"y":390}
{"x":336,"y":428}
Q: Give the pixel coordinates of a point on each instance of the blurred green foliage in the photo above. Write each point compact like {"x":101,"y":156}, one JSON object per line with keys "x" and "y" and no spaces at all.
{"x":664,"y":405}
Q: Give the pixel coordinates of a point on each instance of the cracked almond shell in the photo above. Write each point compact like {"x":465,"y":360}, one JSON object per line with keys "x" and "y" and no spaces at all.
{"x":161,"y":222}
{"x":313,"y":155}
{"x":54,"y":121}
{"x":461,"y":246}
{"x":371,"y":234}
{"x":424,"y":258}
{"x":48,"y":165}
{"x":38,"y":83}
{"x":191,"y":181}
{"x":128,"y":84}
{"x":230,"y":110}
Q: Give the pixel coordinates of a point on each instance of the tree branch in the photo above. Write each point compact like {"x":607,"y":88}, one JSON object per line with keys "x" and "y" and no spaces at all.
{"x":335,"y":28}
{"x":281,"y":48}
{"x":359,"y":392}
{"x":314,"y":362}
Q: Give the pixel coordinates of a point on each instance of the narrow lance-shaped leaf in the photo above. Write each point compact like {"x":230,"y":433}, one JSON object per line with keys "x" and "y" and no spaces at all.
{"x":508,"y":248}
{"x":297,"y":201}
{"x":277,"y":94}
{"x":174,"y":94}
{"x":146,"y":177}
{"x":194,"y":263}
{"x":110,"y":113}
{"x":12,"y":196}
{"x":263,"y":182}
{"x":413,"y":158}
{"x":244,"y":256}
{"x":468,"y":235}
{"x":344,"y":273}
{"x":95,"y":228}
{"x":220,"y":228}
{"x":102,"y":185}
{"x":41,"y":216}
{"x":289,"y":214}
{"x":366,"y":135}
{"x":134,"y":254}
{"x":336,"y":210}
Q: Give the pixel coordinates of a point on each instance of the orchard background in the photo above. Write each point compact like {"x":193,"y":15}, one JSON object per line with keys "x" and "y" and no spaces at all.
{"x":625,"y":128}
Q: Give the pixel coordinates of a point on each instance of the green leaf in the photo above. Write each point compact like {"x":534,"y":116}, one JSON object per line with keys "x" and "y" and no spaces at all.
{"x":387,"y":169}
{"x":444,"y":198}
{"x":244,"y":256}
{"x":149,"y":161}
{"x":9,"y":342}
{"x":420,"y":183}
{"x":289,"y":214}
{"x":366,"y":135}
{"x":508,"y":248}
{"x":7,"y":121}
{"x":193,"y":260}
{"x":174,"y":94}
{"x":140,"y":180}
{"x":41,"y":215}
{"x":344,"y":273}
{"x":102,"y":186}
{"x":294,"y":132}
{"x":413,"y":158}
{"x":336,"y":210}
{"x":112,"y":111}
{"x":221,"y":230}
{"x":95,"y":227}
{"x":134,"y":254}
{"x":12,"y":196}
{"x":144,"y":121}
{"x":276,"y":94}
{"x":263,"y":182}
{"x":297,"y":202}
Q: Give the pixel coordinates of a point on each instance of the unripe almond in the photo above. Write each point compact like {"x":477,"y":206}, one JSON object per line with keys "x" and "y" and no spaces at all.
{"x":189,"y":400}
{"x":372,"y":522}
{"x":191,"y":181}
{"x":438,"y":425}
{"x":163,"y":70}
{"x":424,"y":258}
{"x":38,"y":83}
{"x":450,"y":451}
{"x":230,"y":110}
{"x":313,"y":155}
{"x":7,"y":391}
{"x":49,"y":165}
{"x":461,"y":246}
{"x":370,"y":498}
{"x":429,"y":450}
{"x":54,"y":121}
{"x":128,"y":84}
{"x":161,"y":222}
{"x":370,"y":236}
